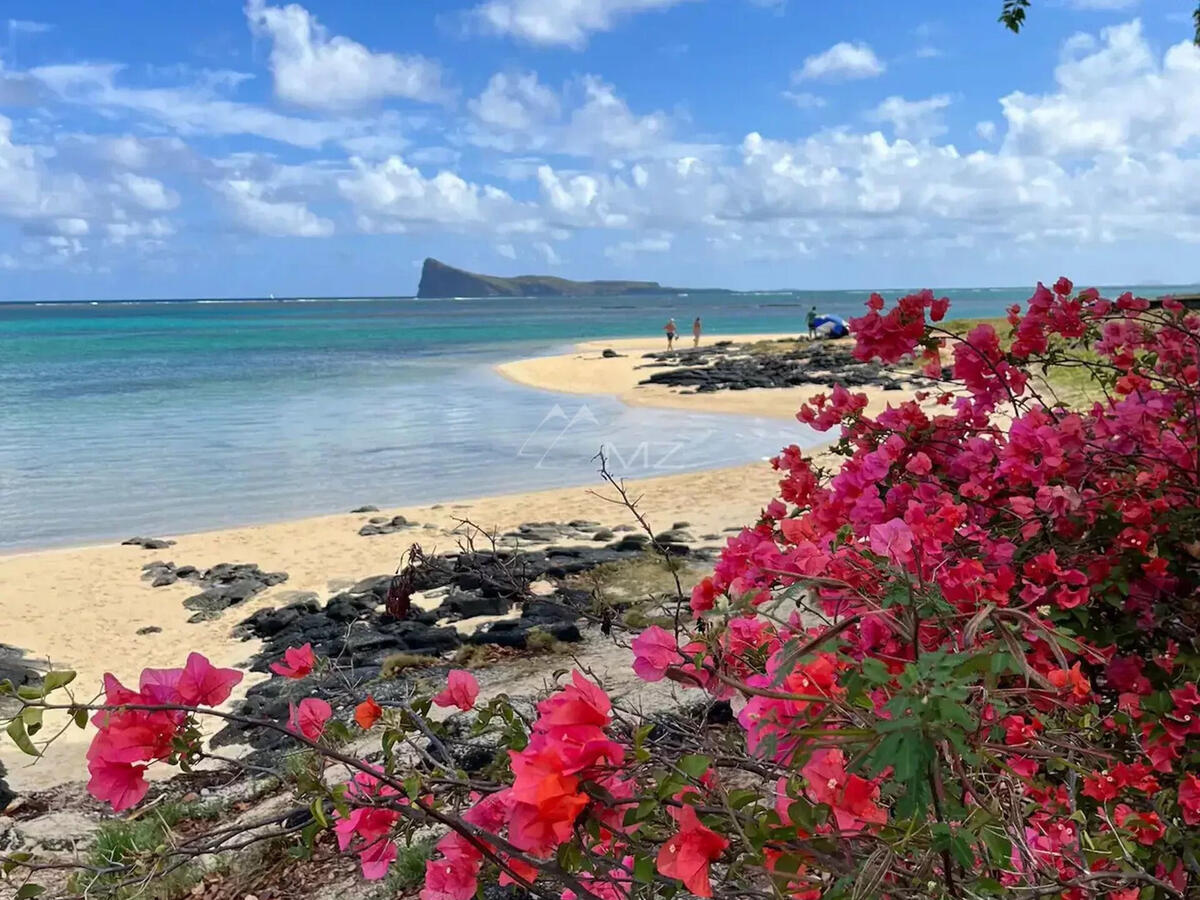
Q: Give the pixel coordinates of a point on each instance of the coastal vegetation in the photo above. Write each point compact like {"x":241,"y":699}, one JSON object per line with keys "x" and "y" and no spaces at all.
{"x":961,"y":663}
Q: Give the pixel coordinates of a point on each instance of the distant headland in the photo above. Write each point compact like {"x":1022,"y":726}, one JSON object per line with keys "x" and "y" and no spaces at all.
{"x":441,"y":280}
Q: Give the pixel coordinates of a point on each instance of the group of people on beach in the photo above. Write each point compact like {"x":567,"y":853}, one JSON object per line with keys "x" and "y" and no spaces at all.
{"x":672,"y":330}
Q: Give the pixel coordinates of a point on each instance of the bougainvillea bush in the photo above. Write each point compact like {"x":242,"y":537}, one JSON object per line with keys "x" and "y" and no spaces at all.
{"x":962,"y":664}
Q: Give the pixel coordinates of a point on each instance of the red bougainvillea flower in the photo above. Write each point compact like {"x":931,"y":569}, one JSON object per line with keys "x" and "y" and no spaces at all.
{"x":461,"y":690}
{"x":297,"y":662}
{"x":309,"y":718}
{"x":654,"y":651}
{"x":852,"y":797}
{"x":367,"y":713}
{"x":1147,"y":827}
{"x":1072,"y":680}
{"x":687,"y":855}
{"x":1189,"y":798}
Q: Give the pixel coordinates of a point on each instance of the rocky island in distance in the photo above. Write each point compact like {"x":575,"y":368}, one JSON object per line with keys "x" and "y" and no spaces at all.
{"x":439,"y":280}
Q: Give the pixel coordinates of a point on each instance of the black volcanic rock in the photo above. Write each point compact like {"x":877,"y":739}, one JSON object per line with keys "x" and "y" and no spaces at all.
{"x":441,"y":280}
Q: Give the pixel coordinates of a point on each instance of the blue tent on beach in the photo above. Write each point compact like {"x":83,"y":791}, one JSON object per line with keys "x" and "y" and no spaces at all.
{"x":831,"y":326}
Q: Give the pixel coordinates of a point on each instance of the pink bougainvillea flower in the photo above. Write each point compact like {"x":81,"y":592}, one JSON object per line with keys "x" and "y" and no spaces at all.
{"x":893,"y":539}
{"x":309,"y":717}
{"x":297,"y":662}
{"x":450,"y":879}
{"x":377,"y":859}
{"x":461,"y":690}
{"x":687,"y":855}
{"x":654,"y":651}
{"x":203,"y":684}
{"x":579,"y":703}
{"x":158,"y":686}
{"x":120,"y":784}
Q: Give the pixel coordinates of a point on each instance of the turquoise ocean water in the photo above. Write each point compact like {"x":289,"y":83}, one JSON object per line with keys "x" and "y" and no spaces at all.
{"x":122,"y":418}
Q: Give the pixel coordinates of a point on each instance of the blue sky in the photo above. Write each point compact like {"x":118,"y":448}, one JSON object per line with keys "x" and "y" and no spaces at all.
{"x":164,"y":149}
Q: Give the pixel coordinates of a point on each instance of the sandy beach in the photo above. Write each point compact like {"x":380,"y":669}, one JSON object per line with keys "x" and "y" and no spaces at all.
{"x":587,"y":371}
{"x":82,"y":608}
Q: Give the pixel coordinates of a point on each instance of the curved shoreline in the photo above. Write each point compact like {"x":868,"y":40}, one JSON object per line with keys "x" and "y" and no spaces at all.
{"x":586,"y":371}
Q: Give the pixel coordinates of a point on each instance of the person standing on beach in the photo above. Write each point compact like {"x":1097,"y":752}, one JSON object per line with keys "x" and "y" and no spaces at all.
{"x":812,"y":323}
{"x":671,"y":331}
{"x":696,"y":330}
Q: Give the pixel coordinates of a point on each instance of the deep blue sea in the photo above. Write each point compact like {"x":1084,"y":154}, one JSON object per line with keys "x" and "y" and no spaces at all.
{"x":123,"y":418}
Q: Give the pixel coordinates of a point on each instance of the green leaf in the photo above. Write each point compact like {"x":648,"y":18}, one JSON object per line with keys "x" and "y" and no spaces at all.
{"x":54,"y":680}
{"x":694,"y":765}
{"x":32,"y":717}
{"x":12,"y":860}
{"x":81,"y":717}
{"x":318,"y":812}
{"x":643,"y":870}
{"x":16,"y":731}
{"x":29,"y":890}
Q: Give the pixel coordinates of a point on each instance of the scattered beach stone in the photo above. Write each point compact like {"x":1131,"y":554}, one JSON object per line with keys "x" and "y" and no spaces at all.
{"x":380,"y":525}
{"x":624,"y":528}
{"x":148,"y":543}
{"x":603,"y":534}
{"x":610,"y":353}
{"x":710,"y":537}
{"x":739,"y":368}
{"x":679,"y":525}
{"x":365,"y":509}
{"x":14,"y":669}
{"x":225,"y":585}
{"x":149,"y":629}
{"x":6,"y":797}
{"x":674,"y":536}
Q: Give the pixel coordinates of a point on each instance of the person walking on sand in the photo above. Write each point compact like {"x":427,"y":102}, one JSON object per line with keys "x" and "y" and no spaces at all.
{"x":696,"y":330}
{"x":671,"y":331}
{"x":812,"y":323}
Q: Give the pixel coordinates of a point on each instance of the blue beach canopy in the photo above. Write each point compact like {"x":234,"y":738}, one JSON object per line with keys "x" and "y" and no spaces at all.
{"x":837,"y":326}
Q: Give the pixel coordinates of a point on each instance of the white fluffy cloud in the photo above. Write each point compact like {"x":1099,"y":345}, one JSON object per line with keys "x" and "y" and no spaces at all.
{"x":516,"y":112}
{"x":912,"y":118}
{"x":567,"y":22}
{"x":148,"y":193}
{"x":515,"y":103}
{"x":316,"y":70}
{"x":843,"y":61}
{"x":1114,"y":96}
{"x":252,"y":207}
{"x":29,"y":191}
{"x":393,"y":196}
{"x":195,"y":109}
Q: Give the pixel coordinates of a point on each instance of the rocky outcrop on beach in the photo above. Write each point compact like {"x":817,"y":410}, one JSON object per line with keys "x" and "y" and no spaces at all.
{"x":385,"y":525}
{"x":387,"y":624}
{"x":225,"y":584}
{"x":738,"y":367}
{"x":18,"y":673}
{"x":148,"y":543}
